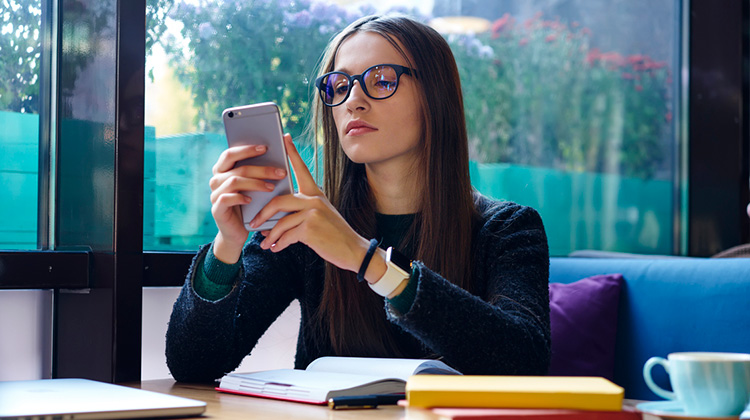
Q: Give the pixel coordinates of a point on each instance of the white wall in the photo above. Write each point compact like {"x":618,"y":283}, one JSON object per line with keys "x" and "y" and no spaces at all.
{"x":26,"y":335}
{"x":275,"y":350}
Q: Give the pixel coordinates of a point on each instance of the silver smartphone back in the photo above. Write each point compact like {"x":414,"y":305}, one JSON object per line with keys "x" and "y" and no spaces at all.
{"x":259,"y":124}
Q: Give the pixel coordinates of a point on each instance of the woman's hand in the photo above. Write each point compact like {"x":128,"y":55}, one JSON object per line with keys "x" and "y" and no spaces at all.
{"x":227,"y":184}
{"x":313,"y":221}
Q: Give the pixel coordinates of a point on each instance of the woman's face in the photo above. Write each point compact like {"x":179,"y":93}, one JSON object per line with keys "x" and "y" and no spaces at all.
{"x":377,"y":131}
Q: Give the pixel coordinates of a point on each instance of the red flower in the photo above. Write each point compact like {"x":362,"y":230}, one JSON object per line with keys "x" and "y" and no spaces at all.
{"x":500,"y":24}
{"x":586,"y":31}
{"x":654,"y":65}
{"x":614,"y":59}
{"x":530,"y":22}
{"x":637,"y":58}
{"x":523,"y":41}
{"x":638,"y":88}
{"x":551,"y":38}
{"x":593,"y":56}
{"x":668,"y":116}
{"x":628,"y":76}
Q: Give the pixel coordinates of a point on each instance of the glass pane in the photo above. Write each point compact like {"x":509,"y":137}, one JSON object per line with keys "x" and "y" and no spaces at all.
{"x":571,"y":106}
{"x":87,"y":91}
{"x":20,"y":53}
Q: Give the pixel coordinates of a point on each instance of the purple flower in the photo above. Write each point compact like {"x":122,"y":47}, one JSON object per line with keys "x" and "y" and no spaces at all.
{"x":475,"y":44}
{"x":368,"y":9}
{"x":352,"y":15}
{"x":319,"y":11}
{"x":485,"y":51}
{"x":399,"y":10}
{"x":301,"y":19}
{"x":330,"y":14}
{"x":205,"y":30}
{"x":179,"y":11}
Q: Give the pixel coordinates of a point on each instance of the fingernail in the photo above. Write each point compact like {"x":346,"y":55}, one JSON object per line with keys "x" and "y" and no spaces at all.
{"x":270,"y":187}
{"x":260,"y":148}
{"x":248,"y":199}
{"x":253,"y":223}
{"x":280,"y":172}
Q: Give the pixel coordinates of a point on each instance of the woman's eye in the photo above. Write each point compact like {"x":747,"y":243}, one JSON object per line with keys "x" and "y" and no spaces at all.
{"x":341,"y":89}
{"x":386,"y":84}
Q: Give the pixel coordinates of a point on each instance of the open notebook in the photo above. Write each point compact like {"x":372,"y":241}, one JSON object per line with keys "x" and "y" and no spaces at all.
{"x":57,"y":399}
{"x":328,"y":377}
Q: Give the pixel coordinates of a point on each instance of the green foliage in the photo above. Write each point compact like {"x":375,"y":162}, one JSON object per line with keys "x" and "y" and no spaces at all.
{"x":241,"y":52}
{"x":536,"y":94}
{"x":20,"y":51}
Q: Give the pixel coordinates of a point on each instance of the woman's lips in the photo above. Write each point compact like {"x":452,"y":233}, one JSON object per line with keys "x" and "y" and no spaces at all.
{"x":356,"y":131}
{"x":357,"y":127}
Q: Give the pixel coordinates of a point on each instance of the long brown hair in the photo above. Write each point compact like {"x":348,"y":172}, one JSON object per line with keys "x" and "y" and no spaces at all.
{"x":352,"y":314}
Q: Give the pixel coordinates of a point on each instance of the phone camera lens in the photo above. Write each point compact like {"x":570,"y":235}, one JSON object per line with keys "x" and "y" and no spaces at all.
{"x":230,"y":114}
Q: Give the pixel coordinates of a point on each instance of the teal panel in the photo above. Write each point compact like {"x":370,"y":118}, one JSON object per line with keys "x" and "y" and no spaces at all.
{"x":85,"y":201}
{"x":182,"y":195}
{"x":587,"y":210}
{"x":18,"y":220}
{"x":19,"y":157}
{"x":19,"y":164}
{"x":19,"y":128}
{"x":149,"y":185}
{"x":177,"y":207}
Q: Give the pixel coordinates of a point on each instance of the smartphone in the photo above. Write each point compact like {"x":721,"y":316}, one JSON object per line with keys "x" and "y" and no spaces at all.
{"x":259,"y":124}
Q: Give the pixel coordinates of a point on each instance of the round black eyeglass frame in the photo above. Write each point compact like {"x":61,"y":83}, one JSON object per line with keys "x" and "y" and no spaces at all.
{"x":359,"y":77}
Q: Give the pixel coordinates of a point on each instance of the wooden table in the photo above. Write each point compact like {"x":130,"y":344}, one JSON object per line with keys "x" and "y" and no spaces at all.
{"x":228,"y":406}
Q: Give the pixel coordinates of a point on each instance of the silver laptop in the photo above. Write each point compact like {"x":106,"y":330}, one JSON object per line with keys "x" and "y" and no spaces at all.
{"x":67,"y":399}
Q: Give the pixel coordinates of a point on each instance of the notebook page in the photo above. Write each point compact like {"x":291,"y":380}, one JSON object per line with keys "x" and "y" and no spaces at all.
{"x":380,"y":367}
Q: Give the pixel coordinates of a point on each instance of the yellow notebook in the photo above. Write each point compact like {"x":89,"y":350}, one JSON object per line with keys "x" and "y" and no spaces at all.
{"x":573,"y":392}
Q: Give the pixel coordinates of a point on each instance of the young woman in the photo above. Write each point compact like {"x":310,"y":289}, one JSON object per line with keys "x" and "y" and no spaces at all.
{"x":456,"y":276}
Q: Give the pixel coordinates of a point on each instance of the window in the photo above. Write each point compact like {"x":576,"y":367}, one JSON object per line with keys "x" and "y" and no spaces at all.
{"x":72,"y":177}
{"x":20,"y":49}
{"x":572,"y":109}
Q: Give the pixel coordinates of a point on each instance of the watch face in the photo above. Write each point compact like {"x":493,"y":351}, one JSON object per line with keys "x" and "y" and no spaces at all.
{"x":398,"y":259}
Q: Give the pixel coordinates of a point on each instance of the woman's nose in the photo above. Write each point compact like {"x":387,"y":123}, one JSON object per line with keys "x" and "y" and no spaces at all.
{"x":357,"y":98}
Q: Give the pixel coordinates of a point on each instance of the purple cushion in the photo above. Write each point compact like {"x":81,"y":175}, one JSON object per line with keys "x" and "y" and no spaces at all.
{"x":583,"y":317}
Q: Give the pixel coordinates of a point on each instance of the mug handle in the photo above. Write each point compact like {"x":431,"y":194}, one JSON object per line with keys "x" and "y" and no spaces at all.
{"x":650,"y":363}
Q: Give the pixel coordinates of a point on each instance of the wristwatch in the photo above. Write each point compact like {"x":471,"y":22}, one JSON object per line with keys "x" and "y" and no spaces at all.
{"x":398,"y":270}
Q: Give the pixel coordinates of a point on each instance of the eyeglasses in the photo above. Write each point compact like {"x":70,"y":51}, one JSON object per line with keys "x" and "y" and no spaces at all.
{"x":378,"y":82}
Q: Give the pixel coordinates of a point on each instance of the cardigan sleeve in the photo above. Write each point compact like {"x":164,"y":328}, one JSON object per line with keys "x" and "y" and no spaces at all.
{"x":506,"y":331}
{"x":207,"y":339}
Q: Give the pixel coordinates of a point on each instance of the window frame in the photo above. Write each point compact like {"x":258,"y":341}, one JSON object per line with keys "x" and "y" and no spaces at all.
{"x":97,"y":289}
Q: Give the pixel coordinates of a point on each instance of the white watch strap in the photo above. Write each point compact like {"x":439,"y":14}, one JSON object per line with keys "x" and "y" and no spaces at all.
{"x":392,"y":278}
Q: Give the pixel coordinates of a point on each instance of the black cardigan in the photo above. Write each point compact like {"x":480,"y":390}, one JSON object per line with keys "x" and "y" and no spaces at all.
{"x":503,"y":328}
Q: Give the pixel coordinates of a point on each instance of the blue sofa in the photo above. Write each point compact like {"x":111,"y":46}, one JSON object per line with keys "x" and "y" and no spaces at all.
{"x":669,"y":305}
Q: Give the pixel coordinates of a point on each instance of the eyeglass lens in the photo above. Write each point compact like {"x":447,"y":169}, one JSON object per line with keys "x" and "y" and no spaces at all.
{"x":380,"y":82}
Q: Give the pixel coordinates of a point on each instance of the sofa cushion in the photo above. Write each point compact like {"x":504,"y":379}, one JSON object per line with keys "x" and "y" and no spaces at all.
{"x":583,"y":317}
